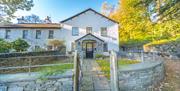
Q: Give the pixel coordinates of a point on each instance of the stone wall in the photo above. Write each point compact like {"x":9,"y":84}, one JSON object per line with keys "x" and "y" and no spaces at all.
{"x":172,"y":48}
{"x":24,"y":54}
{"x":36,"y":60}
{"x":62,"y":84}
{"x":141,"y":77}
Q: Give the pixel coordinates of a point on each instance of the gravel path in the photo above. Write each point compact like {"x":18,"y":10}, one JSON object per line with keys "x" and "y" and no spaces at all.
{"x":92,"y":79}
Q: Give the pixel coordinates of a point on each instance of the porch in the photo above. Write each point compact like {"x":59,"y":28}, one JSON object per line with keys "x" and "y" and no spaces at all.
{"x":89,"y":45}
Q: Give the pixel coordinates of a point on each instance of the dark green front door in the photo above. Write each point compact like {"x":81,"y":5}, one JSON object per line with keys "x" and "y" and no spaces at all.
{"x":89,"y":50}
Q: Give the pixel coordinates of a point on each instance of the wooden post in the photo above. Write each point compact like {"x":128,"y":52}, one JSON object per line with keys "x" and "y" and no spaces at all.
{"x":114,"y":71}
{"x":76,"y":72}
{"x":142,"y":56}
{"x":153,"y":56}
{"x":29,"y":70}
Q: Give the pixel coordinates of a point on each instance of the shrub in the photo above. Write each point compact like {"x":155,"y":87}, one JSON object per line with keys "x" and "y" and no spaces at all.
{"x":57,"y":45}
{"x":127,"y":61}
{"x":99,"y":56}
{"x":20,"y":45}
{"x":4,"y":46}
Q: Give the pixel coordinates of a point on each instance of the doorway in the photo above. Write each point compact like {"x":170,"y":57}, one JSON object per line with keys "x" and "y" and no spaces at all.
{"x":89,"y":50}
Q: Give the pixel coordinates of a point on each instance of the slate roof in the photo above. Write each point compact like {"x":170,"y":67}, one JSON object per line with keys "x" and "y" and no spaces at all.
{"x":33,"y":25}
{"x":85,"y":12}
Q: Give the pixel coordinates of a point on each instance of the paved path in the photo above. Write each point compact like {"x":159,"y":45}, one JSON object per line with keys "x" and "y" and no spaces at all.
{"x":93,"y":80}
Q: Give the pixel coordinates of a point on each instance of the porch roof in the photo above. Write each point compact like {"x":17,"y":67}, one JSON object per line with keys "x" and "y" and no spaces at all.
{"x":90,"y":35}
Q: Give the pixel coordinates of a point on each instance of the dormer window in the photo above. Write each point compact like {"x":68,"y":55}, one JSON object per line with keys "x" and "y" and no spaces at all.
{"x":104,"y":31}
{"x":88,"y":30}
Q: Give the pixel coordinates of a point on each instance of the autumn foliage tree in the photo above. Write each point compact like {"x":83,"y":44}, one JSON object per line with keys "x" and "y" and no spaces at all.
{"x":143,"y":21}
{"x":57,"y":44}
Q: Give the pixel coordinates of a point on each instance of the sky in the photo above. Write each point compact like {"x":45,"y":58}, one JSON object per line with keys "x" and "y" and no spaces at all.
{"x":59,"y":10}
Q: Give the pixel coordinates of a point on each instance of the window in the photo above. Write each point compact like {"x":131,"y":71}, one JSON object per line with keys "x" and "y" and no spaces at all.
{"x":73,"y":46}
{"x":7,"y":35}
{"x":25,"y":34}
{"x":88,"y":30}
{"x":38,"y":34}
{"x":37,"y":48}
{"x":75,"y":31}
{"x":49,"y":47}
{"x":51,"y":34}
{"x":104,"y":31}
{"x":105,"y":47}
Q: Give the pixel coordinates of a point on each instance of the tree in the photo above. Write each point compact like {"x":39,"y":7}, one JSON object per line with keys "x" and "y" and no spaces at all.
{"x":5,"y":46}
{"x":164,"y":9}
{"x":30,"y":19}
{"x":55,"y":43}
{"x":137,"y":25}
{"x":107,"y":9}
{"x":9,"y":7}
{"x":20,"y":45}
{"x":133,"y":22}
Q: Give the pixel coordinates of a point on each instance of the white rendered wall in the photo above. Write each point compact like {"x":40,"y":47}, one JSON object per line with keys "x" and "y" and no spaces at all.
{"x":91,"y":19}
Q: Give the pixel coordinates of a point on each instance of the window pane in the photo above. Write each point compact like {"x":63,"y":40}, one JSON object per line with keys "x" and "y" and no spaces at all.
{"x":75,"y":31}
{"x":105,"y":47}
{"x":103,"y":31}
{"x":25,"y":34}
{"x":88,"y":30}
{"x":73,"y":46}
{"x":51,"y":34}
{"x":38,"y":34}
{"x":7,"y":35}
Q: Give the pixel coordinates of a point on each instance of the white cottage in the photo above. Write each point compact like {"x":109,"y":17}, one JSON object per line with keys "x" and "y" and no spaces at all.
{"x":89,"y":32}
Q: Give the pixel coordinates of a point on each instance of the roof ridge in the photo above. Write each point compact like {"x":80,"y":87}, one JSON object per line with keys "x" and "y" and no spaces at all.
{"x":86,"y":11}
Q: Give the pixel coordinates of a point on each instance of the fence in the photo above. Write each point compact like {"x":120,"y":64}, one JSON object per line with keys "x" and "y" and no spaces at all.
{"x":143,"y":56}
{"x":153,"y":60}
{"x":23,"y":54}
{"x":26,"y":70}
{"x":77,"y":72}
{"x":30,"y":62}
{"x":114,"y":71}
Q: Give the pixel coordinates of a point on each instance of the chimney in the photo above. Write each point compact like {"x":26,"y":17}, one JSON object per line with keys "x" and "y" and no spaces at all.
{"x":48,"y":20}
{"x":21,"y":20}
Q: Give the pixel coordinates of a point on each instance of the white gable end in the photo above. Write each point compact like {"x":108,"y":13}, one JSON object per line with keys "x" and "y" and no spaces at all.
{"x":90,"y":19}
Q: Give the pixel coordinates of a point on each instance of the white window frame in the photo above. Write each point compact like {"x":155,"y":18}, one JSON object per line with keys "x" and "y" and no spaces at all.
{"x":89,"y":30}
{"x":51,"y":34}
{"x":104,"y":31}
{"x":105,"y":47}
{"x":25,"y":34}
{"x":38,"y":34}
{"x":7,"y":34}
{"x":75,"y":31}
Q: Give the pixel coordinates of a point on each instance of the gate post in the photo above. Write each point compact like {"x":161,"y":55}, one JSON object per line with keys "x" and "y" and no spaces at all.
{"x":76,"y":71}
{"x":114,"y":71}
{"x":142,"y":56}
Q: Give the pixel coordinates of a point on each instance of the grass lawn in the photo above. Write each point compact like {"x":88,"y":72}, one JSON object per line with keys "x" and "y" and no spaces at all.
{"x":105,"y":65}
{"x":63,"y":64}
{"x":54,"y":70}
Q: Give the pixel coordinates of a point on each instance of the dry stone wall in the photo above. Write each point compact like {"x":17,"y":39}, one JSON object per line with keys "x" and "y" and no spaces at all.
{"x":141,"y":77}
{"x":63,"y":84}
